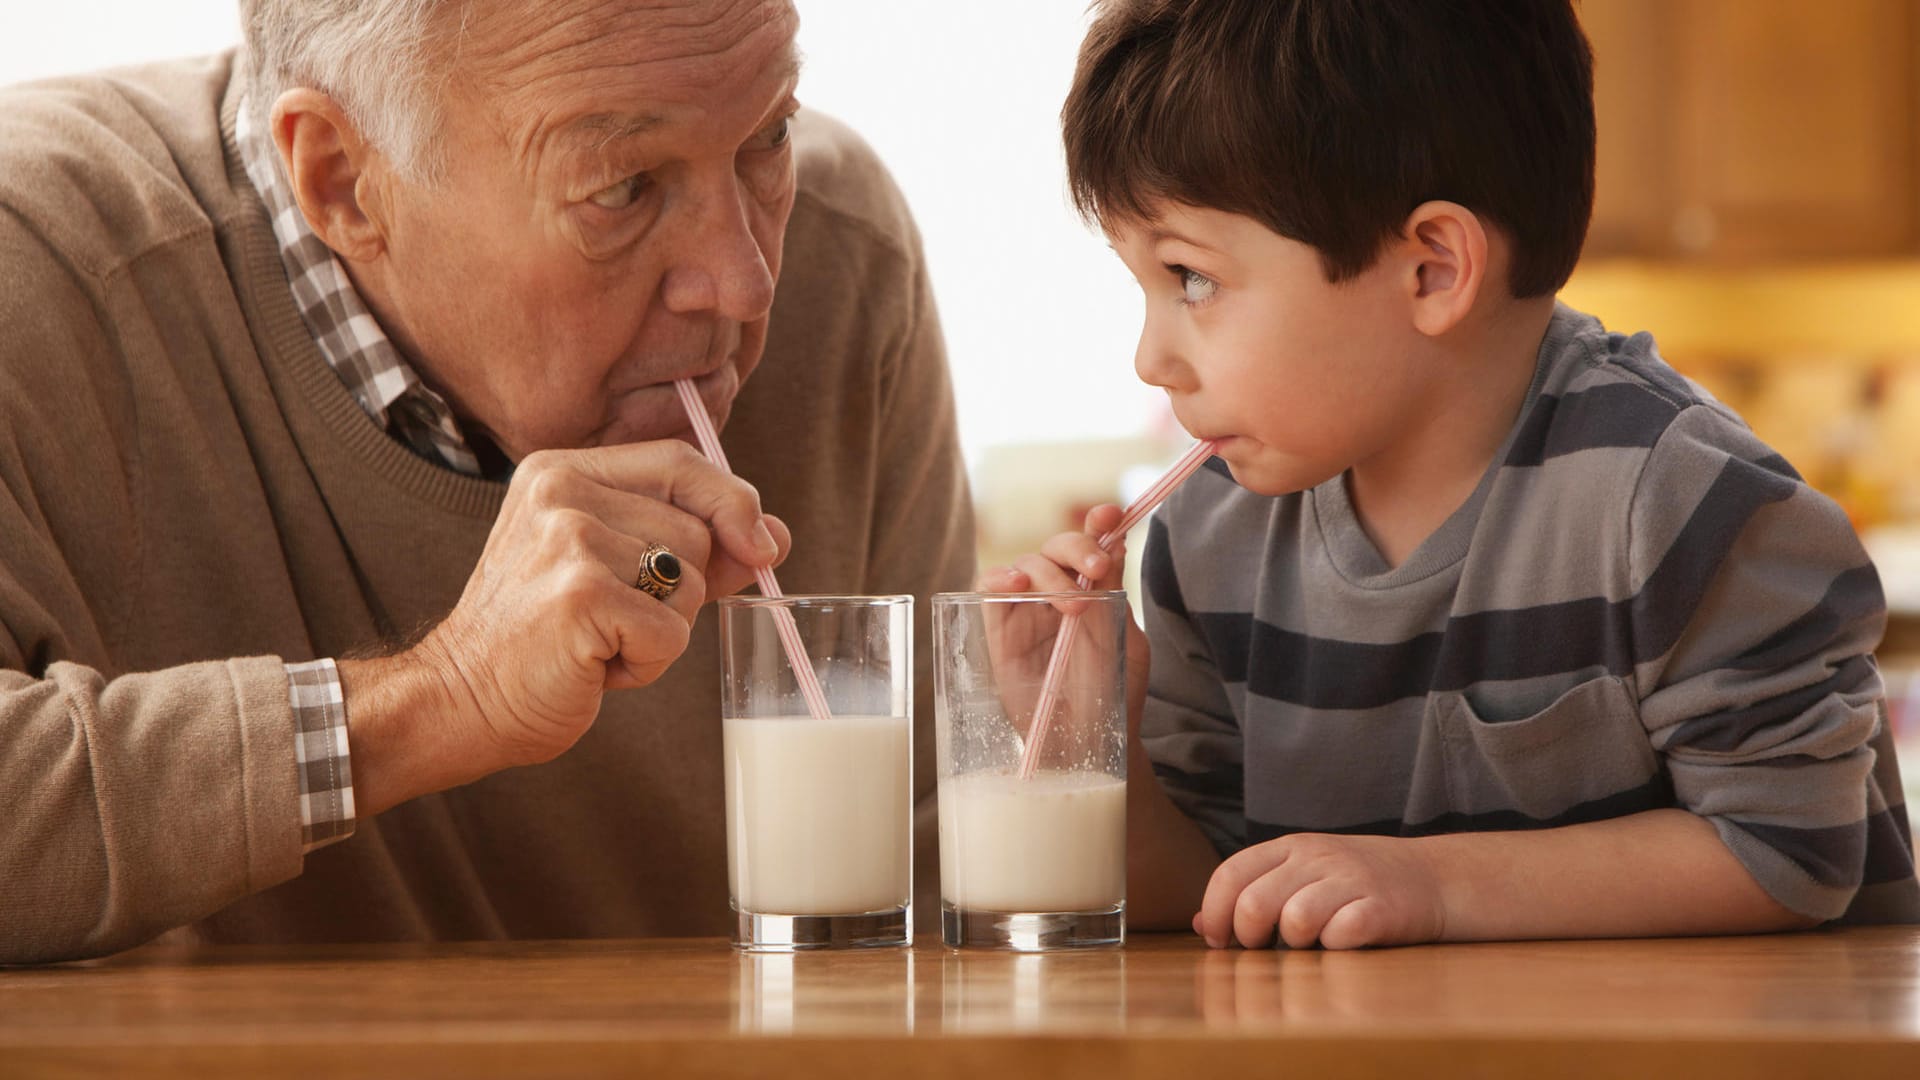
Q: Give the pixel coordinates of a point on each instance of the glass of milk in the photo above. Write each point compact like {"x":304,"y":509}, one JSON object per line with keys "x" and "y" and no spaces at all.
{"x":819,"y":810}
{"x":1033,"y":831}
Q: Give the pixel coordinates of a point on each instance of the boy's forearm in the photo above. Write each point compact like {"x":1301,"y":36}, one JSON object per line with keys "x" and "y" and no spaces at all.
{"x":1168,"y":858}
{"x":1658,"y":873}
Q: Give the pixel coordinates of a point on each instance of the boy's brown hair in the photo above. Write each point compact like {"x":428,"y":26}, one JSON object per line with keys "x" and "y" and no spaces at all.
{"x":1329,"y":121}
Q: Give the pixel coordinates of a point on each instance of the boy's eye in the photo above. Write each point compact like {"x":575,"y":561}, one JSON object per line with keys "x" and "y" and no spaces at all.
{"x":620,"y":195}
{"x":1197,"y":286}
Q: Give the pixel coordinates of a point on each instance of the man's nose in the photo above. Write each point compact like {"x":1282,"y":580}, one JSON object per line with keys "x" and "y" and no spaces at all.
{"x":720,"y":267}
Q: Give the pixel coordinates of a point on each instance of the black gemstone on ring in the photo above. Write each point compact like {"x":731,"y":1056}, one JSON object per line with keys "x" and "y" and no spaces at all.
{"x":666,"y":568}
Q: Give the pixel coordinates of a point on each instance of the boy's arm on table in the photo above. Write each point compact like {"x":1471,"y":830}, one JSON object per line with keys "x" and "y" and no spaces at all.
{"x":1652,"y":874}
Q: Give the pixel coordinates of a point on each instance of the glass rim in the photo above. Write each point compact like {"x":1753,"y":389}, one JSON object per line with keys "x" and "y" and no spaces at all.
{"x":1015,"y":597}
{"x":817,"y":600}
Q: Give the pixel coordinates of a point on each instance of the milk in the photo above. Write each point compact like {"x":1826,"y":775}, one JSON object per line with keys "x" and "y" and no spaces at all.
{"x":1054,"y":843}
{"x":818,"y":818}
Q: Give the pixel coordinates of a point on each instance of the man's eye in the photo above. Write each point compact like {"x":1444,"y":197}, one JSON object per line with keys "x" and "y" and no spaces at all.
{"x":620,"y":195}
{"x":777,"y":135}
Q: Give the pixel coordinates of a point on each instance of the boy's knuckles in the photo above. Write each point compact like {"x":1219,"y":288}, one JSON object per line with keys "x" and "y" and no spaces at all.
{"x":1358,"y":924}
{"x":1300,"y":923}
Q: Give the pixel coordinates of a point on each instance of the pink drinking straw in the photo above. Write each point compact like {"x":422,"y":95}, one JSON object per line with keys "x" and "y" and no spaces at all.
{"x":1070,"y":622}
{"x":782,"y":618}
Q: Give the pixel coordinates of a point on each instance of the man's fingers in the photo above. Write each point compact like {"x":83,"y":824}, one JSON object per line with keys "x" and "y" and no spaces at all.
{"x":577,"y":534}
{"x":673,"y":472}
{"x":727,"y":575}
{"x":558,"y":485}
{"x":650,"y":521}
{"x":652,"y":642}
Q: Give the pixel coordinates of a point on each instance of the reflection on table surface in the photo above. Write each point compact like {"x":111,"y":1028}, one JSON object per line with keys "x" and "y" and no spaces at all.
{"x":1860,"y":981}
{"x":1821,"y":1003}
{"x":1865,"y":980}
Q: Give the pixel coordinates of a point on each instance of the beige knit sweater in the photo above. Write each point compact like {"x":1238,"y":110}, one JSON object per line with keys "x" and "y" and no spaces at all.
{"x":188,"y":497}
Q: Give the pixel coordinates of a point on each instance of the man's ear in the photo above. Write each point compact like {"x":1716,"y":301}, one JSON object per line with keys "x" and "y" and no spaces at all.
{"x":327,"y":162}
{"x":1446,"y":249}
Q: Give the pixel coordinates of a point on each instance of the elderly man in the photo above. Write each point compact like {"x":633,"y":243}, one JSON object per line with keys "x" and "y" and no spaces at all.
{"x":336,"y":418}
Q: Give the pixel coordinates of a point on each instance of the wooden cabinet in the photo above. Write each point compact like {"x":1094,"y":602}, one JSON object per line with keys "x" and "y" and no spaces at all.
{"x":1756,"y":130}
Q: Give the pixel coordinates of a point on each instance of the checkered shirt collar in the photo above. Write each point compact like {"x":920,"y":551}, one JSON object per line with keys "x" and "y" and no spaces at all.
{"x":349,"y":338}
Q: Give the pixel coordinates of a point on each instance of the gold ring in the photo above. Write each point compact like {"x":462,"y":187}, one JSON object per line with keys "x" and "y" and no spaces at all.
{"x":659,"y":572}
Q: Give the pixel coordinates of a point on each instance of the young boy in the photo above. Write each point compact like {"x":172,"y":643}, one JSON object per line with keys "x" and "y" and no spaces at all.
{"x":1483,"y":623}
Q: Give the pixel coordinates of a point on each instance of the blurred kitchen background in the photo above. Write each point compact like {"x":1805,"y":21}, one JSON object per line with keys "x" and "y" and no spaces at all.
{"x":1758,"y":211}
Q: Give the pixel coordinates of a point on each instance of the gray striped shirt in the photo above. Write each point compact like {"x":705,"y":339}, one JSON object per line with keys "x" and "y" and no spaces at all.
{"x":1640,"y":606}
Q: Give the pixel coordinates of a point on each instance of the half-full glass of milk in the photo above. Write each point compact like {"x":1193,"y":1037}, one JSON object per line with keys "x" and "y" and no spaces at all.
{"x":819,"y":807}
{"x":1033,"y":810}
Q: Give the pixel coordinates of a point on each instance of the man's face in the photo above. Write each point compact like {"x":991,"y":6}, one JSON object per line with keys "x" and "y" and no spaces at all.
{"x":618,"y":185}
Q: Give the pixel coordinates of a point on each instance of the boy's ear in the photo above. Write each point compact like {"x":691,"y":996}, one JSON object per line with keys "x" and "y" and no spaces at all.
{"x":328,"y":165}
{"x":1447,"y":250}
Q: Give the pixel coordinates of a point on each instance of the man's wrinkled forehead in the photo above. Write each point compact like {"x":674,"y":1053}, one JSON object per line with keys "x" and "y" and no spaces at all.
{"x":562,"y":56}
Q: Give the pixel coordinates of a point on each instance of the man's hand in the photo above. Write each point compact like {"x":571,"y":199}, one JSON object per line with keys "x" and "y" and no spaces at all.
{"x":550,"y":619}
{"x":1343,"y":892}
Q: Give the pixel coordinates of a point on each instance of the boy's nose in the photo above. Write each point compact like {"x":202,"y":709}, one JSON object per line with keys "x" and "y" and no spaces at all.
{"x":1154,"y":359}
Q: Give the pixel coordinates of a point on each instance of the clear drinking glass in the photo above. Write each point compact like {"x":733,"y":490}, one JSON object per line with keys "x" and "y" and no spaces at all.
{"x":819,"y":811}
{"x":1034,"y":857}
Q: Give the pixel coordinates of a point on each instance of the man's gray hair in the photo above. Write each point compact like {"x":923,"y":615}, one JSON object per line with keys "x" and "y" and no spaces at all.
{"x":374,"y":57}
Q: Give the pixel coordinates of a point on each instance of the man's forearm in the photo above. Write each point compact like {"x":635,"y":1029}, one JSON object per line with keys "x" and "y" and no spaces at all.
{"x":1658,"y":873}
{"x":1168,"y":858}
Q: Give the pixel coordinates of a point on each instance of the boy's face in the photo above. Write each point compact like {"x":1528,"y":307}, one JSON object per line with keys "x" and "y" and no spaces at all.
{"x":1299,"y":379}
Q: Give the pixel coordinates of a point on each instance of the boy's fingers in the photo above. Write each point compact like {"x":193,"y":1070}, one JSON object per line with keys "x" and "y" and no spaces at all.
{"x":1078,"y":553}
{"x":1230,"y":878}
{"x":1045,"y":575}
{"x":1004,"y":579}
{"x":1304,"y":916}
{"x":1101,"y":519}
{"x":1354,"y":924}
{"x":1263,"y":905}
{"x":1255,"y":914}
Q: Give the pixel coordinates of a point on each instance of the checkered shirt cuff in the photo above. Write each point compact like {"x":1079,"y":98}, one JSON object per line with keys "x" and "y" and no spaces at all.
{"x":320,"y":753}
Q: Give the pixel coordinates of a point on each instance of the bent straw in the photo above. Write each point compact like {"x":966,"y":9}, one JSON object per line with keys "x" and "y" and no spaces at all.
{"x":782,"y":618}
{"x":1070,"y":622}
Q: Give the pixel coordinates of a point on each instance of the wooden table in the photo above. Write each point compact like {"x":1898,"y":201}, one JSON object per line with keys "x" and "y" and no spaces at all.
{"x":1827,"y":1003}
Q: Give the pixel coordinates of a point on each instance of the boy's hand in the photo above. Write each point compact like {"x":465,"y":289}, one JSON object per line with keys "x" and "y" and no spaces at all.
{"x":1014,"y":641}
{"x":1342,"y":891}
